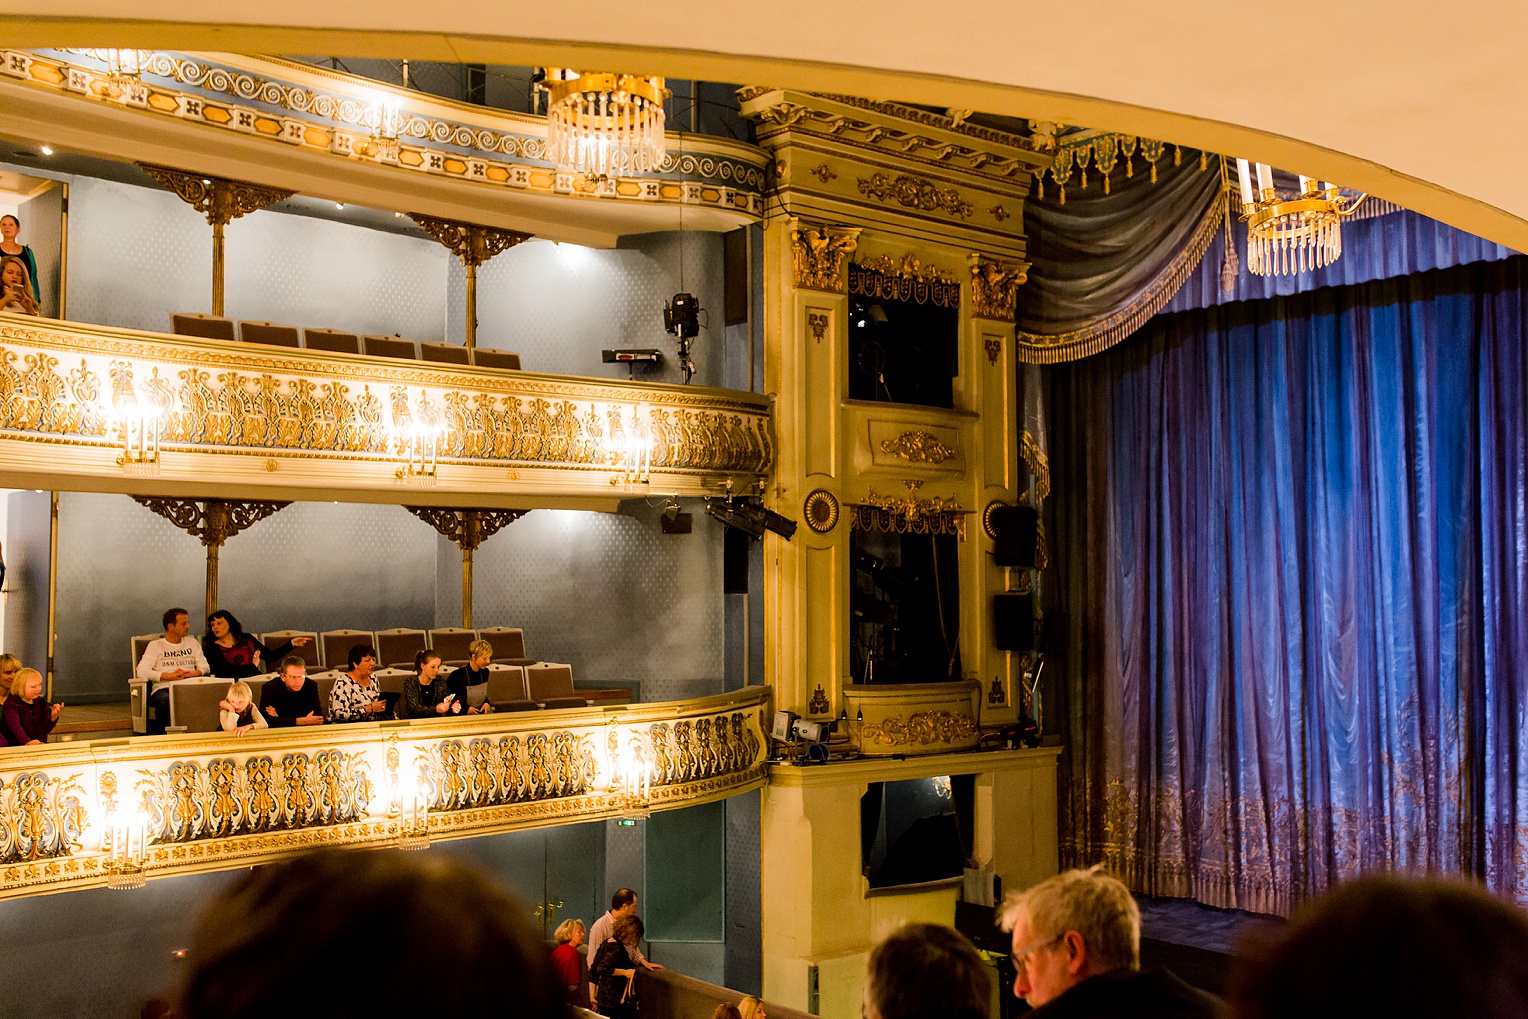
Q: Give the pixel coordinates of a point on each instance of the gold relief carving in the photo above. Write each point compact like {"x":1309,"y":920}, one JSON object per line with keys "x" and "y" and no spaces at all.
{"x":280,"y":403}
{"x":996,"y":695}
{"x":909,"y":514}
{"x":817,"y":321}
{"x":786,"y":115}
{"x":921,"y":729}
{"x":993,"y":345}
{"x":818,"y":705}
{"x":910,"y":267}
{"x":214,"y":521}
{"x":471,"y":243}
{"x":994,"y":287}
{"x":41,"y":816}
{"x":467,"y":528}
{"x":823,"y":172}
{"x":818,"y":254}
{"x":999,"y":213}
{"x":820,"y":510}
{"x":915,"y":193}
{"x":919,"y":448}
{"x":219,"y":199}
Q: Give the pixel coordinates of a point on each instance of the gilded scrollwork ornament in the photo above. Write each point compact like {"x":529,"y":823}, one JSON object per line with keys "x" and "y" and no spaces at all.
{"x":819,"y":252}
{"x":922,"y":728}
{"x":994,"y":287}
{"x":913,"y":192}
{"x":918,"y":447}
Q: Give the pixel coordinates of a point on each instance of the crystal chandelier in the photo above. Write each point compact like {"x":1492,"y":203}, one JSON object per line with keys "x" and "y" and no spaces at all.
{"x":1291,"y":234}
{"x":602,"y":124}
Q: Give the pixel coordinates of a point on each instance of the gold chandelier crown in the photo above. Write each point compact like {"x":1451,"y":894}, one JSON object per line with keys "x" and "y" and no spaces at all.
{"x":604,"y":124}
{"x":1291,"y":234}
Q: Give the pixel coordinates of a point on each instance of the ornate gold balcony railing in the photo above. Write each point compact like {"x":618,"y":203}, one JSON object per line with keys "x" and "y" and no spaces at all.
{"x":119,"y":410}
{"x":77,"y":815}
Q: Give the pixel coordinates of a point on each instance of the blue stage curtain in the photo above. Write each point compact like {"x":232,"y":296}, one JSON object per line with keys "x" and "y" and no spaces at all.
{"x":1294,"y":556}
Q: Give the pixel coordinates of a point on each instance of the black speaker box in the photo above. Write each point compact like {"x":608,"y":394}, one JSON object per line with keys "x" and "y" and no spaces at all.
{"x":1016,"y":532}
{"x":682,"y":523}
{"x":735,"y":561}
{"x":1013,"y":622}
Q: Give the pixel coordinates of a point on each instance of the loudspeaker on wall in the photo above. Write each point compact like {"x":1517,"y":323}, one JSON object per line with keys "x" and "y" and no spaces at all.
{"x":1015,"y":535}
{"x":1013,"y":622}
{"x":735,"y":561}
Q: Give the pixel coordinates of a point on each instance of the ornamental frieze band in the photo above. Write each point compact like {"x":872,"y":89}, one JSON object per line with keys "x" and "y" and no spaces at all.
{"x":80,"y":814}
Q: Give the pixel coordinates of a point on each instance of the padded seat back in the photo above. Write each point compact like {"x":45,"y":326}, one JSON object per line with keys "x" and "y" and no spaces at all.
{"x":452,"y":644}
{"x":337,"y":645}
{"x":325,"y":683}
{"x":139,"y":645}
{"x":269,"y":332}
{"x":443,"y":353}
{"x":397,"y":647}
{"x":508,"y":644}
{"x":194,"y":702}
{"x":488,"y":357}
{"x":507,"y":683}
{"x":208,"y":327}
{"x":389,"y":346}
{"x":391,"y":680}
{"x":552,"y":685}
{"x":309,"y":652}
{"x":332,"y":340}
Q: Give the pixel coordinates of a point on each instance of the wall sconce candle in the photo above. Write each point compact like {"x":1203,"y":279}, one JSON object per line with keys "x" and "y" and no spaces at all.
{"x":127,"y":849}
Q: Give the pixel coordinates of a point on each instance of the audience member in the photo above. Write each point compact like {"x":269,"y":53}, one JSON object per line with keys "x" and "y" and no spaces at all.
{"x":1077,"y":952}
{"x":622,"y":903}
{"x":16,"y":288}
{"x":10,"y":229}
{"x":355,"y":697}
{"x":926,"y":970}
{"x":240,"y":716}
{"x":233,"y":654}
{"x":424,"y":693}
{"x":567,"y":960}
{"x":9,"y":666}
{"x":316,"y":936}
{"x":1385,"y":946}
{"x":470,"y":683}
{"x":750,"y":1008}
{"x":27,"y":717}
{"x":726,"y":1010}
{"x":614,"y":971}
{"x":167,"y":659}
{"x":291,"y":698}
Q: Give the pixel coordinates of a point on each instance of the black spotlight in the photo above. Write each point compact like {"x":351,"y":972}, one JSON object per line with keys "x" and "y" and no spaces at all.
{"x":681,"y":316}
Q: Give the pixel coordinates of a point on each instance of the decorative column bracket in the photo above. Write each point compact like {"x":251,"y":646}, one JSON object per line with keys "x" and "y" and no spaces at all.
{"x":214,"y":521}
{"x":468,"y":528}
{"x":474,"y":245}
{"x":818,"y":254}
{"x":222,"y":201}
{"x":994,"y":288}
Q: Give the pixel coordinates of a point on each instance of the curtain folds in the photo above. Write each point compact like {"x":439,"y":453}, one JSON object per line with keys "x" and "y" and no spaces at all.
{"x":1102,"y":264}
{"x":1293,"y":542}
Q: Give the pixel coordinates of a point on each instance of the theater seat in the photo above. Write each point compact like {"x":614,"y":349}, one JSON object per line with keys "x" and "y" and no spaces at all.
{"x":389,"y":346}
{"x":508,"y":645}
{"x":138,"y":645}
{"x":270,"y":333}
{"x":551,"y":686}
{"x":443,"y":353}
{"x":397,"y":647}
{"x":337,"y":645}
{"x":208,"y":327}
{"x":391,"y":680}
{"x":310,"y":652}
{"x":507,"y":690}
{"x":452,"y":644}
{"x":194,"y":702}
{"x":331,"y":340}
{"x":488,"y":357}
{"x":325,"y":683}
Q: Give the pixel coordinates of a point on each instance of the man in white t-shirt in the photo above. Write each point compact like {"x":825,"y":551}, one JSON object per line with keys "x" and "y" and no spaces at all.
{"x":623,"y":903}
{"x":174,"y":656}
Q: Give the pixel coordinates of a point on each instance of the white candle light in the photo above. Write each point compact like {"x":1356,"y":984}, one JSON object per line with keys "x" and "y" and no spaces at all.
{"x":1244,"y":178}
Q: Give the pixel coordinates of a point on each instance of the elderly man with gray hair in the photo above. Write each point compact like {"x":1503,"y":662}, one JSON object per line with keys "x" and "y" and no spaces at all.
{"x":1077,"y":953}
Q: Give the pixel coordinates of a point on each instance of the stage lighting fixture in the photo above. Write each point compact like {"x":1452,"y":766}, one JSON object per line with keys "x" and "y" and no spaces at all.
{"x":681,"y":316}
{"x":730,"y":514}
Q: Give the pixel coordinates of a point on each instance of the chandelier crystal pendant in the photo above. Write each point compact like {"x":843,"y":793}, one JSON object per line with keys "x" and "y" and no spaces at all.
{"x":1291,"y":234}
{"x":602,"y":124}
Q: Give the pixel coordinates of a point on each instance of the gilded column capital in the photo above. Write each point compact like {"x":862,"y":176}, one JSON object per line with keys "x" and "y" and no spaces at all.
{"x":471,"y":243}
{"x":219,"y":199}
{"x":467,"y":528}
{"x":819,"y":252}
{"x":994,"y":287}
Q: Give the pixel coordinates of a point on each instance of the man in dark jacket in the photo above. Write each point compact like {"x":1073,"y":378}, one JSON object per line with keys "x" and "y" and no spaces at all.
{"x":1077,"y":951}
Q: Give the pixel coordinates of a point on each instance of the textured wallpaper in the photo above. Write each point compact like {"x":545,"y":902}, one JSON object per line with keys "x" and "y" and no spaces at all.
{"x":137,"y":254}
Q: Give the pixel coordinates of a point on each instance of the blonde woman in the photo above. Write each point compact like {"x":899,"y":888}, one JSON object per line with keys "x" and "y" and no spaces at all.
{"x":567,"y":959}
{"x":9,"y":666}
{"x":16,"y":287}
{"x":750,"y":1008}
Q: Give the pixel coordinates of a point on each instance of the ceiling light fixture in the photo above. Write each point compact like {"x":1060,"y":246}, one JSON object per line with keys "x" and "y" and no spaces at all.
{"x":45,"y":150}
{"x":602,"y":124}
{"x":1290,"y":234}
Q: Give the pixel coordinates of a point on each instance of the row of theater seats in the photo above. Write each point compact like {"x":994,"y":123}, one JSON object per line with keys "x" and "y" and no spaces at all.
{"x":544,"y":685}
{"x":212,"y":327}
{"x":396,"y":647}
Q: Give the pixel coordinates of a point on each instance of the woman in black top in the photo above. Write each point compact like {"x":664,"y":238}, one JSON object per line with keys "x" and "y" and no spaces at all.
{"x":424,"y":693}
{"x":614,"y":972}
{"x":234,"y":654}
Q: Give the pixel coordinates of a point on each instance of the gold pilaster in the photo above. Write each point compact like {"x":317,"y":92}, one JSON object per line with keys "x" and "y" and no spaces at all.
{"x":469,"y":528}
{"x":214,"y":521}
{"x":474,"y":245}
{"x":222,"y":201}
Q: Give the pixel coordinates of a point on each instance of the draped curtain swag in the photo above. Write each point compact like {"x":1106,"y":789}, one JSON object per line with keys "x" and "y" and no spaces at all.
{"x":1104,"y":263}
{"x":1294,"y":554}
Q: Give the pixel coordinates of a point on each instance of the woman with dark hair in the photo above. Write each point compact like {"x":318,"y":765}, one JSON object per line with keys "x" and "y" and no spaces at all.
{"x":16,"y":287}
{"x":1386,"y":946}
{"x":234,"y":654}
{"x":10,"y":228}
{"x":424,"y":693}
{"x":614,"y":971}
